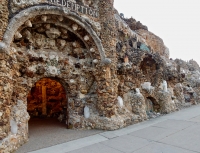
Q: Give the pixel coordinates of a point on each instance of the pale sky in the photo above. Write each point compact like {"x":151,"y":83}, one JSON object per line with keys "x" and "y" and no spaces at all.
{"x":177,"y":22}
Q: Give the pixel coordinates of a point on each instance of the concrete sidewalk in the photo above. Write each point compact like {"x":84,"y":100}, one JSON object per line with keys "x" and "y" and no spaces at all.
{"x":178,"y":132}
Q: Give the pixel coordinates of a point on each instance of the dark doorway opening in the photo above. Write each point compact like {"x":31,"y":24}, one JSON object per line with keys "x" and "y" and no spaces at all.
{"x":152,"y":105}
{"x":48,"y":100}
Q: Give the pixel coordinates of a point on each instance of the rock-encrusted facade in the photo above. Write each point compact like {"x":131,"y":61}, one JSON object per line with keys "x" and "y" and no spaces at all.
{"x":84,"y":63}
{"x":4,"y":13}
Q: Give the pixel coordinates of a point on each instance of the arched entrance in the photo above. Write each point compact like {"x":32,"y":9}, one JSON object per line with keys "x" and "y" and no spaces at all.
{"x":152,"y":105}
{"x":48,"y":99}
{"x":45,"y":48}
{"x":46,"y":41}
{"x":23,"y":19}
{"x":52,"y":44}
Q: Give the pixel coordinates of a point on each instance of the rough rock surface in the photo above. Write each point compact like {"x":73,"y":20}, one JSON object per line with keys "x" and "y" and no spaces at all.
{"x":88,"y":71}
{"x":135,"y":25}
{"x":3,"y":17}
{"x":155,"y":42}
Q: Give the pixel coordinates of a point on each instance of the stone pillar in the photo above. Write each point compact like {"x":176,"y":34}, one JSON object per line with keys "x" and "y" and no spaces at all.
{"x":108,"y":29}
{"x":13,"y":109}
{"x":5,"y":95}
{"x":107,"y":78}
{"x":3,"y":17}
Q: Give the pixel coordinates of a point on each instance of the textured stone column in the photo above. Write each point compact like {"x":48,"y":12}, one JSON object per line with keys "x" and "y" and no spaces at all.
{"x":13,"y":110}
{"x":107,"y":78}
{"x":3,"y":17}
{"x":5,"y":95}
{"x":108,"y":29}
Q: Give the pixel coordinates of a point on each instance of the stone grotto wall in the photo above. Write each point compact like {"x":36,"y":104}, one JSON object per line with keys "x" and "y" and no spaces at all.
{"x":4,"y":13}
{"x":113,"y":71}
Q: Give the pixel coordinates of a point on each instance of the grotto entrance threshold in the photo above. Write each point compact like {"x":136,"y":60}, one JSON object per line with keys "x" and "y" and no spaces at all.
{"x":46,"y":133}
{"x":48,"y":125}
{"x":48,"y":99}
{"x":47,"y":103}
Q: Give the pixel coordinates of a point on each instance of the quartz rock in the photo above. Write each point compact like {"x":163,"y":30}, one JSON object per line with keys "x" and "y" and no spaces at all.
{"x":120,"y":101}
{"x":86,"y":112}
{"x":164,"y":86}
{"x":14,"y":127}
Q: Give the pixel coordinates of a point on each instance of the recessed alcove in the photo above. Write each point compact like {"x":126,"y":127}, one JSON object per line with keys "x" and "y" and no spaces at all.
{"x":152,"y":105}
{"x":47,"y":98}
{"x":47,"y":103}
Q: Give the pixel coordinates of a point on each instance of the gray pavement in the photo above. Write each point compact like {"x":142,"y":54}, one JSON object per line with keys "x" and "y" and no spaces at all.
{"x":44,"y":133}
{"x":178,"y":132}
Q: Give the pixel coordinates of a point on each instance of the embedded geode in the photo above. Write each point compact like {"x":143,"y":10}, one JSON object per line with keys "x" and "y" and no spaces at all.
{"x":52,"y":70}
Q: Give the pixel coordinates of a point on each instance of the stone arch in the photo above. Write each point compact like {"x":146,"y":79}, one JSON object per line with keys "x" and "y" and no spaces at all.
{"x":64,"y":84}
{"x":148,"y":64}
{"x":19,"y":19}
{"x":67,"y":28}
{"x":79,"y":79}
{"x":152,"y":104}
